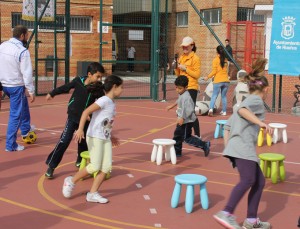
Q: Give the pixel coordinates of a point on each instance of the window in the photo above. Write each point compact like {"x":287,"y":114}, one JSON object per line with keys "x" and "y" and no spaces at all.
{"x":182,"y":19}
{"x":247,"y":14}
{"x":17,"y":20}
{"x":212,"y":16}
{"x":77,"y":23}
{"x":81,"y":23}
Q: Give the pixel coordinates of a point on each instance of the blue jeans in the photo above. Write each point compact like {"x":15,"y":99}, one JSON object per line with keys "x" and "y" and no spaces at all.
{"x":217,"y":87}
{"x":19,"y":116}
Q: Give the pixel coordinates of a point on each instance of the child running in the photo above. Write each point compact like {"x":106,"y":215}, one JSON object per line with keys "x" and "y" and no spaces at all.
{"x":86,"y":91}
{"x":185,"y":118}
{"x":240,"y":137}
{"x":99,"y":140}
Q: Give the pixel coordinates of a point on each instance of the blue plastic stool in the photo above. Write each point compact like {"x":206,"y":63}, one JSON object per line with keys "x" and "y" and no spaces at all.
{"x":190,"y":180}
{"x":219,"y":131}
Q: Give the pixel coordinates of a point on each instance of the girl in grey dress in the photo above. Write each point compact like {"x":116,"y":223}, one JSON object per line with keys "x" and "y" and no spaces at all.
{"x":240,"y":137}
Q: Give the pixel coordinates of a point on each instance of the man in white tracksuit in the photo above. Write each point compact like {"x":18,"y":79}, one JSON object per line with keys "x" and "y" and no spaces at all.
{"x":16,"y":77}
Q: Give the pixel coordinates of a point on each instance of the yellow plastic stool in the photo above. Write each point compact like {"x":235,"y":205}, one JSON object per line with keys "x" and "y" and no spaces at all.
{"x":260,"y":138}
{"x":85,"y":155}
{"x":271,"y":164}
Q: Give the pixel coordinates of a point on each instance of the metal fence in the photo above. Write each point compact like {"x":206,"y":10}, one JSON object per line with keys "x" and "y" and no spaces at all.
{"x":139,"y":45}
{"x":148,"y":26}
{"x":47,"y":44}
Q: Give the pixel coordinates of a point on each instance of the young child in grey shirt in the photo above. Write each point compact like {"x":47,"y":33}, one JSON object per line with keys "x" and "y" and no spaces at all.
{"x":185,"y":119}
{"x":240,"y":138}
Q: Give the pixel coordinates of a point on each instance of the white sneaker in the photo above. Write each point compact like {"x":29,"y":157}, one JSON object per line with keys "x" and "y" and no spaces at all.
{"x":95,"y":197}
{"x":19,"y":148}
{"x":210,"y":112}
{"x":223,"y":113}
{"x":68,"y":187}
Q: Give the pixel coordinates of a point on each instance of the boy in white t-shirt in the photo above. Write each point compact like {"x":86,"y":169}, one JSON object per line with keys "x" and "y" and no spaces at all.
{"x":130,"y":57}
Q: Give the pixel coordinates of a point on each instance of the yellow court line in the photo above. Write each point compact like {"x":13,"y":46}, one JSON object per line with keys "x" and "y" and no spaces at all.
{"x":147,"y":134}
{"x":42,"y":191}
{"x":52,"y":200}
{"x":56,"y":214}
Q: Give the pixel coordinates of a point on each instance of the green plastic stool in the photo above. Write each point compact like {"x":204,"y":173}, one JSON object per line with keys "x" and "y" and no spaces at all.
{"x":271,"y":164}
{"x":85,"y":155}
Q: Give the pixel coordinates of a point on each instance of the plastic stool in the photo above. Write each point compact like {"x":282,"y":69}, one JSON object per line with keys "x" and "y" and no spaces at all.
{"x":260,"y":138}
{"x":219,"y":131}
{"x":157,"y":151}
{"x":279,"y":130}
{"x":271,"y":164}
{"x":190,"y":180}
{"x":85,"y":155}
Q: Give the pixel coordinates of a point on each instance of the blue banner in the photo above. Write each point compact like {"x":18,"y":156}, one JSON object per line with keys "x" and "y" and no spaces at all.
{"x":285,"y":38}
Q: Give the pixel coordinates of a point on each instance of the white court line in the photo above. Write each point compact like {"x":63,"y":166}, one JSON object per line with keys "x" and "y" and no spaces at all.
{"x":146,"y":143}
{"x":138,"y":185}
{"x":146,"y":197}
{"x":153,"y":211}
{"x":218,"y":153}
{"x":130,"y":175}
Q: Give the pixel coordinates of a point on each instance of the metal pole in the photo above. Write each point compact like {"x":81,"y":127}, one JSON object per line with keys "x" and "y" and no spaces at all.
{"x":36,"y":45}
{"x":164,"y":84}
{"x":274,"y":93}
{"x":154,"y":50}
{"x":100,"y":32}
{"x":37,"y":20}
{"x":213,"y":33}
{"x":280,"y":93}
{"x":68,"y":48}
{"x":55,"y":49}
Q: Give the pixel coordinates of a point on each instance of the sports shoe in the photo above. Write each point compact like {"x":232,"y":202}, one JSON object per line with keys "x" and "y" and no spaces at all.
{"x":49,"y":173}
{"x":95,"y":197}
{"x":258,"y":224}
{"x":78,"y":161}
{"x":206,"y":148}
{"x":228,"y":221}
{"x":19,"y":148}
{"x":68,"y":187}
{"x":223,"y":113}
{"x":210,"y":112}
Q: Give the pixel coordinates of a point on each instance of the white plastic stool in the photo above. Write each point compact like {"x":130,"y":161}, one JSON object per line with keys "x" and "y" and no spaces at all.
{"x":157,"y":151}
{"x":279,"y":131}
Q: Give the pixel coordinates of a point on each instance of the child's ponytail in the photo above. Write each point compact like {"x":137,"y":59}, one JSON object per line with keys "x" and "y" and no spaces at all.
{"x":256,"y":79}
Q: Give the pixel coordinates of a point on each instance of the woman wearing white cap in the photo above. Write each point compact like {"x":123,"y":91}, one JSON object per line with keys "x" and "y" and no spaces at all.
{"x":189,"y":65}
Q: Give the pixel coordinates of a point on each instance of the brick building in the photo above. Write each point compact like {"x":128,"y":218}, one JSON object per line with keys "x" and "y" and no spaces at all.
{"x":233,"y":19}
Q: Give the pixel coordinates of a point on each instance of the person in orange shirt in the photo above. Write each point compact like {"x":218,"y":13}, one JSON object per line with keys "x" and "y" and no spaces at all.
{"x":189,"y":65}
{"x":221,"y":80}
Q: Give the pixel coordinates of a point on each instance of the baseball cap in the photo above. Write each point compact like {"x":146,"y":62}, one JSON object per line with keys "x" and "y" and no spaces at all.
{"x":186,"y":41}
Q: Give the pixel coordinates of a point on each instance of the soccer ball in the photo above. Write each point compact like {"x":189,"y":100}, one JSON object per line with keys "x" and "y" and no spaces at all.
{"x":30,"y":138}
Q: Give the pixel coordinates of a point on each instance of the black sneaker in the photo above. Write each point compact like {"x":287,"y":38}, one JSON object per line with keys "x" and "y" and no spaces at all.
{"x":206,"y":148}
{"x":49,"y":173}
{"x":78,"y":161}
{"x":178,"y":154}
